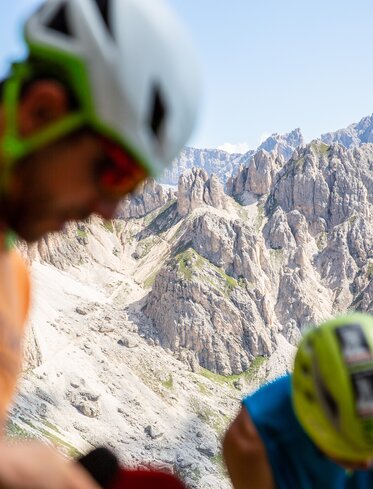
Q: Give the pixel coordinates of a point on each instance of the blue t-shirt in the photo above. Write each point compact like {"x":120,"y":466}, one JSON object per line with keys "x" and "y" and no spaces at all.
{"x":295,"y":461}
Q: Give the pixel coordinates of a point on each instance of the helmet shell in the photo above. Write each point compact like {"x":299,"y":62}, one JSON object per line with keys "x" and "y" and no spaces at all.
{"x":332,"y":386}
{"x":134,"y":70}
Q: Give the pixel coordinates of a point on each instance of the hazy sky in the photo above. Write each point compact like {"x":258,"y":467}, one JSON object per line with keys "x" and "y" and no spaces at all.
{"x":269,"y":65}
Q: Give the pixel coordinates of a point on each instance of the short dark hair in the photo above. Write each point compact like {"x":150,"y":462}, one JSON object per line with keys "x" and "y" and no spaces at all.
{"x":44,"y":72}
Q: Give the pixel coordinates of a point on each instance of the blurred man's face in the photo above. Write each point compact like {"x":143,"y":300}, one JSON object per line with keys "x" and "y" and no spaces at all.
{"x":66,"y":180}
{"x":55,"y":185}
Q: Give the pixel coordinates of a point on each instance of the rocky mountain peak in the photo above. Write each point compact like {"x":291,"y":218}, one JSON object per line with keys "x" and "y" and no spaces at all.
{"x":283,"y":144}
{"x":196,"y":188}
{"x":148,"y":196}
{"x":216,"y":161}
{"x":325,"y":184}
{"x":257,"y":176}
{"x":353,"y":135}
{"x":224,"y":164}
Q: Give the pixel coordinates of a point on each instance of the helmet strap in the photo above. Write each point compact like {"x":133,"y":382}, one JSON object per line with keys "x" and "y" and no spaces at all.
{"x":13,"y":147}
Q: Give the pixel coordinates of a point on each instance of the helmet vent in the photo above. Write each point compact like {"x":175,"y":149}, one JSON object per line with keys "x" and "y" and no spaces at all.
{"x":103,"y":6}
{"x":309,"y":396}
{"x":329,"y":402}
{"x":59,"y":21}
{"x":305,"y":369}
{"x":158,"y":112}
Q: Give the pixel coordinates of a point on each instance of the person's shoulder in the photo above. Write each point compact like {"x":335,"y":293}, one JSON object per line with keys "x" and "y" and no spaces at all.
{"x":19,"y":263}
{"x":273,"y":392}
{"x":271,"y":410}
{"x":244,"y":434}
{"x":22,"y":276}
{"x":245,"y":454}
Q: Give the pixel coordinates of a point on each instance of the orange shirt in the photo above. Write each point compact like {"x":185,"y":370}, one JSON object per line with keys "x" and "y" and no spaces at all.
{"x":14,"y":304}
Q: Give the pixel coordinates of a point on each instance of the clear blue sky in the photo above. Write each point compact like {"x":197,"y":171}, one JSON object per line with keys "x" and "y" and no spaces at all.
{"x":269,"y":65}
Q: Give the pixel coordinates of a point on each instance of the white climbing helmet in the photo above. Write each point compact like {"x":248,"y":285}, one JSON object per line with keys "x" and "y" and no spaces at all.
{"x":129,"y":64}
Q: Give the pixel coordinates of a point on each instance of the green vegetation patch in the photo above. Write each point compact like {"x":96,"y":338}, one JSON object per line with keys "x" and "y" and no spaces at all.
{"x":169,"y":382}
{"x":149,"y":281}
{"x":241,"y":210}
{"x":260,"y":216}
{"x":14,"y":430}
{"x":277,"y":257}
{"x":196,"y":474}
{"x":245,"y":284}
{"x":319,"y":147}
{"x":50,"y":432}
{"x":81,"y":234}
{"x":219,"y":462}
{"x":109,"y":225}
{"x":118,"y":225}
{"x":160,"y":212}
{"x":249,"y":375}
{"x":206,"y":414}
{"x":322,"y":240}
{"x":145,"y":246}
{"x":276,"y":251}
{"x":353,"y":219}
{"x":187,"y":261}
{"x":261,"y":210}
{"x":203,"y":389}
{"x":192,"y":263}
{"x":230,"y":284}
{"x":370,"y":270}
{"x":300,"y":163}
{"x":69,"y":449}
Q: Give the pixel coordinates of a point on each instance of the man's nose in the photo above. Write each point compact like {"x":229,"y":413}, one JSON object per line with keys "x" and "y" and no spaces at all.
{"x":106,"y":209}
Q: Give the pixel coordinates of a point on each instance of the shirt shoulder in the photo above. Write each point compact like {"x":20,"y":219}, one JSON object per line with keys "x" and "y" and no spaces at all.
{"x":22,"y":277}
{"x":269,"y":400}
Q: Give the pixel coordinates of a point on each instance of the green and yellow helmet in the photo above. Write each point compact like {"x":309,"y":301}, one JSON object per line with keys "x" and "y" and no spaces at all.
{"x":332,"y":386}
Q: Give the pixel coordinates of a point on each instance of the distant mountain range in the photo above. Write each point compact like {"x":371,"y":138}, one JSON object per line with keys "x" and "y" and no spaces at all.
{"x":353,"y":135}
{"x":225,"y":164}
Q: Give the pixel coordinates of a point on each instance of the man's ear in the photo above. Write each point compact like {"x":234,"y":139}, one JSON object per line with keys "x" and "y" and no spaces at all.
{"x":43,"y":102}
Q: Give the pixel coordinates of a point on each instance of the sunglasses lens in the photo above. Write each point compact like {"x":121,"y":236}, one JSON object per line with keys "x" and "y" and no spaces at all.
{"x":121,"y":173}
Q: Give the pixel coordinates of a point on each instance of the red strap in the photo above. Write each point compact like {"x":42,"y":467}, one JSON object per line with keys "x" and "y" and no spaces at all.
{"x":146,"y":479}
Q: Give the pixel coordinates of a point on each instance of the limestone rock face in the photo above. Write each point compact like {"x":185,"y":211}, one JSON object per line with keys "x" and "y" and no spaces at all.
{"x":300,"y":258}
{"x":212,"y":322}
{"x":233,"y":247}
{"x":94,"y":241}
{"x":149,"y":196}
{"x":364,"y":301}
{"x":277,"y":231}
{"x":257,"y":176}
{"x":196,"y":189}
{"x":226,"y":278}
{"x":328,"y":185}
